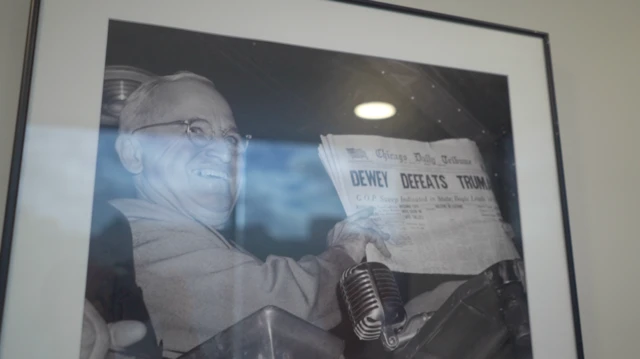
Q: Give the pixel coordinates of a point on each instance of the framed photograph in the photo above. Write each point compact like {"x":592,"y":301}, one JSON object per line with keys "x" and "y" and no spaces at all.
{"x":285,"y":179}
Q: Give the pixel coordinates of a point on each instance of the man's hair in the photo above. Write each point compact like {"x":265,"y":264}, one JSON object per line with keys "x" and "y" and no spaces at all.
{"x":140,"y":108}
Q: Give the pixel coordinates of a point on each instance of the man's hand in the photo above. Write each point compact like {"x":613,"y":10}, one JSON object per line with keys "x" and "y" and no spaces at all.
{"x":353,"y":234}
{"x":98,"y":337}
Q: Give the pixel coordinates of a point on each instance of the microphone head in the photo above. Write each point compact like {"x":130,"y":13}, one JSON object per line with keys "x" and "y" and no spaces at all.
{"x":119,"y":83}
{"x":373,"y":302}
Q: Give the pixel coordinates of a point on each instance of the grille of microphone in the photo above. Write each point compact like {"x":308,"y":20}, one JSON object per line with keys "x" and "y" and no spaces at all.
{"x":373,"y":302}
{"x":119,"y":83}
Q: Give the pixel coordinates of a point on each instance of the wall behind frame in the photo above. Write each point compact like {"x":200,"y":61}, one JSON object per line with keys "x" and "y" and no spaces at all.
{"x":595,"y":54}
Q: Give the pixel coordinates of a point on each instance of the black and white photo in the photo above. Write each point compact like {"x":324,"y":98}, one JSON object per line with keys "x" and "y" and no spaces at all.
{"x":249,"y":177}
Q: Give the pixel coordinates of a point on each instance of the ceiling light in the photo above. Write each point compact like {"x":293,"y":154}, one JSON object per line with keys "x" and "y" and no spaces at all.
{"x":375,"y":110}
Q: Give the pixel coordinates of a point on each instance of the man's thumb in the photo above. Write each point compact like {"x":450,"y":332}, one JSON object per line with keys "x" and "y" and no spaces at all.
{"x":125,"y":333}
{"x":382,"y":248}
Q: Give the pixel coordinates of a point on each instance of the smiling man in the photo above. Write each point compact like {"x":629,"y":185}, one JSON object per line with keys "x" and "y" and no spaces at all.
{"x":179,"y":140}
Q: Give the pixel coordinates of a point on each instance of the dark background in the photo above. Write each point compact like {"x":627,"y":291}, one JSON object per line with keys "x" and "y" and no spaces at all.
{"x":292,"y":95}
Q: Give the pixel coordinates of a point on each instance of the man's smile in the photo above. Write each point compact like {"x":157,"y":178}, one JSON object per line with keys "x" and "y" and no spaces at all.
{"x":210,"y":173}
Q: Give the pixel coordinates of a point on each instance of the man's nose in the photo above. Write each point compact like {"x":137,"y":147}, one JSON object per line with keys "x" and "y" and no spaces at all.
{"x":219,"y":150}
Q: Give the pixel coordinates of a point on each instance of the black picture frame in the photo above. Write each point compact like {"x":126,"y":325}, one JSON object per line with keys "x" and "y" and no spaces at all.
{"x":23,"y":107}
{"x":18,"y":145}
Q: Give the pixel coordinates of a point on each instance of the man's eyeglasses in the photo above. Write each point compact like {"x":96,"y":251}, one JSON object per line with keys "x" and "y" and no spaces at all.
{"x":201,"y":134}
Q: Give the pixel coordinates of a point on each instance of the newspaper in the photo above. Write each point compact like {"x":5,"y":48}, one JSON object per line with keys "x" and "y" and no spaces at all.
{"x":434,"y":200}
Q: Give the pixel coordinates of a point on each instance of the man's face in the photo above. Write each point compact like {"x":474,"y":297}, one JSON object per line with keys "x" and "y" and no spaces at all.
{"x":193,"y":175}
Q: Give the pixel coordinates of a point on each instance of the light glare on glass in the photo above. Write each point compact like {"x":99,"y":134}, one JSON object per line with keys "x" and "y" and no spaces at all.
{"x":375,"y":110}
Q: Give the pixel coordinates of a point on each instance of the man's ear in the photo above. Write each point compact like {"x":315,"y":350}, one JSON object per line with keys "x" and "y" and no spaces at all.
{"x":130,"y":153}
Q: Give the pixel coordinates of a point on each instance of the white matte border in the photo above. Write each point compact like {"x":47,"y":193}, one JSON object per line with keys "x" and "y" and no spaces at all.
{"x":43,"y":308}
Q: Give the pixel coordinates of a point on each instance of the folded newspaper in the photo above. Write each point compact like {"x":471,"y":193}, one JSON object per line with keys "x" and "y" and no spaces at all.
{"x":434,"y":200}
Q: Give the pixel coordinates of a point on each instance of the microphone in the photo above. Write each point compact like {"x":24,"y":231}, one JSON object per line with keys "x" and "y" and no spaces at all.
{"x":375,"y":307}
{"x":119,"y":83}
